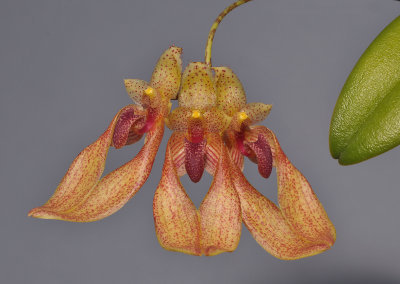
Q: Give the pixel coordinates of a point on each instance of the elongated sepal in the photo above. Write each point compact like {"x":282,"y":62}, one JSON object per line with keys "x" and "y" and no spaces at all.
{"x":220,"y":217}
{"x":82,"y":197}
{"x":269,"y":227}
{"x":176,"y":218}
{"x":216,"y":226}
{"x":299,"y":227}
{"x":297,"y":200}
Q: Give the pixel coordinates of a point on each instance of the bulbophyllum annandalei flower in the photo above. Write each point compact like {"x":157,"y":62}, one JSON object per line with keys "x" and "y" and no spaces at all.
{"x":213,"y":130}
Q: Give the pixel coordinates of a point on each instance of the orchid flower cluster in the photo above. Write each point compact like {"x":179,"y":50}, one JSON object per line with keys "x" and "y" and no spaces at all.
{"x":214,"y":128}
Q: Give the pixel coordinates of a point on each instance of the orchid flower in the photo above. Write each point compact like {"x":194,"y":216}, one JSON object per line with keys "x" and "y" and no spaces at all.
{"x":213,"y":130}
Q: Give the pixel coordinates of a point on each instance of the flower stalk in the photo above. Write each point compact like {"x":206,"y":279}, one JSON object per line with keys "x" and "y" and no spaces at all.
{"x":207,"y":56}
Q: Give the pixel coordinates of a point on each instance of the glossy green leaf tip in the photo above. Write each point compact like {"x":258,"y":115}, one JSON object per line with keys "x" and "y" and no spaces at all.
{"x":366,"y":118}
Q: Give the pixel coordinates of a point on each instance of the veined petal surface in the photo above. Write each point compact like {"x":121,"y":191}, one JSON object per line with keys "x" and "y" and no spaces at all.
{"x":298,"y":202}
{"x":220,"y":217}
{"x":176,"y":218}
{"x":268,"y":226}
{"x":84,"y":172}
{"x":78,"y":200}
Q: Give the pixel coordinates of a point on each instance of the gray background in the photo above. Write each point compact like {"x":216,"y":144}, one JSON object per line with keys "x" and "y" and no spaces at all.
{"x":61,"y":70}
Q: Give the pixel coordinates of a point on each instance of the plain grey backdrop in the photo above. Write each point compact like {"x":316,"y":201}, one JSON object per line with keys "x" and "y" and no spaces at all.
{"x":62,"y":65}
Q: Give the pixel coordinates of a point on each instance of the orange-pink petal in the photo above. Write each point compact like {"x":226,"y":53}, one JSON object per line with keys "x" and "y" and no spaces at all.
{"x":83,"y":174}
{"x":220,"y":217}
{"x":298,"y":202}
{"x":268,"y":226}
{"x":175,"y":216}
{"x":81,"y":197}
{"x":166,"y":76}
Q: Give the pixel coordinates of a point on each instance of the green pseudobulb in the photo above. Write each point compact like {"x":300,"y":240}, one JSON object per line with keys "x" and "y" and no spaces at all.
{"x":366,"y":118}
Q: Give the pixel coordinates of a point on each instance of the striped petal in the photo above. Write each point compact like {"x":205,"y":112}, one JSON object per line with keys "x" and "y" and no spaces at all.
{"x":176,"y":218}
{"x":268,"y":226}
{"x":220,"y":217}
{"x":166,"y":76}
{"x":81,"y":197}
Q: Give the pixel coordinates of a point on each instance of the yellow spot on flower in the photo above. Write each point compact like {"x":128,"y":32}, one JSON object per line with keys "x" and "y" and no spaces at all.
{"x":149,"y":91}
{"x":242,"y":116}
{"x":196,"y":113}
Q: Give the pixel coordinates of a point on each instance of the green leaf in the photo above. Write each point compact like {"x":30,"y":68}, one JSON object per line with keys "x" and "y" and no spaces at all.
{"x":366,"y":118}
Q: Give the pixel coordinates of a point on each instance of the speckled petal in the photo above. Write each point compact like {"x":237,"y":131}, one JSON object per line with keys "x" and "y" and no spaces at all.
{"x":220,"y":217}
{"x":83,"y":173}
{"x":82,"y":198}
{"x":215,"y":120}
{"x":197,"y":90}
{"x":123,"y":134}
{"x":166,"y":76}
{"x":266,"y":223}
{"x":178,"y":119}
{"x":195,"y":159}
{"x":256,"y":112}
{"x":298,"y":202}
{"x":135,"y":89}
{"x":230,"y":94}
{"x":175,"y":216}
{"x":263,"y":155}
